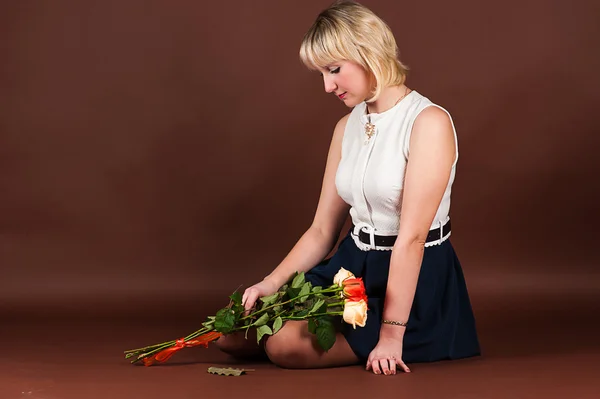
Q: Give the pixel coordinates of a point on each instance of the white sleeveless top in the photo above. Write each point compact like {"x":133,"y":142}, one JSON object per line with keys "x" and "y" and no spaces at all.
{"x":370,"y":175}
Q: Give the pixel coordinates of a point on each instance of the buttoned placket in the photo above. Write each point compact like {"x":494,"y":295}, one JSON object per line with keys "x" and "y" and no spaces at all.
{"x":367,"y":227}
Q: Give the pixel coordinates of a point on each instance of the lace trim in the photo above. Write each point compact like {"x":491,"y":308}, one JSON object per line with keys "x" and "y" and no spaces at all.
{"x":438,"y":242}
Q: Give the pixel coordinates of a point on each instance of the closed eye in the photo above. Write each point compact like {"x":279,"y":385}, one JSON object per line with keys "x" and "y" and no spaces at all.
{"x":333,"y":71}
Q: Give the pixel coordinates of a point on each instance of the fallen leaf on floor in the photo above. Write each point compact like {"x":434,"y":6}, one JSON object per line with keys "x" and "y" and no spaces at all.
{"x":227,"y":371}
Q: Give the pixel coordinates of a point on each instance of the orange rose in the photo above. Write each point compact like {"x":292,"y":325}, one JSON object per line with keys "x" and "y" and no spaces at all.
{"x":354,"y":289}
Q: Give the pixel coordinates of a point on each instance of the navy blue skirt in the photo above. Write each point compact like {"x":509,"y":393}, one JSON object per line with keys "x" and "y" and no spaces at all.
{"x":441,"y":323}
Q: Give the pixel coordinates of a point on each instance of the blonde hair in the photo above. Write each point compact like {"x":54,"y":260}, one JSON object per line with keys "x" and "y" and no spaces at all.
{"x":350,"y":31}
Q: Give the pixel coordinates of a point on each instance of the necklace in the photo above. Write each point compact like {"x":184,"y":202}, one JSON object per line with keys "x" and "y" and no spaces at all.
{"x":369,"y":127}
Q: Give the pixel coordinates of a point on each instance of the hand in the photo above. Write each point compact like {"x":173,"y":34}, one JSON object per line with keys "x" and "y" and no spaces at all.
{"x":386,"y":356}
{"x":251,"y":295}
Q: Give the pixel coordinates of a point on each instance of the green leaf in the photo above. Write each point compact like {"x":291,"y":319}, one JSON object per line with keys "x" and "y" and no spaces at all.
{"x":317,"y":289}
{"x":302,"y":313}
{"x":317,"y":306}
{"x":325,"y":335}
{"x":277,"y":308}
{"x":293,"y":292}
{"x":224,"y":320}
{"x":236,"y":297}
{"x":303,"y":294}
{"x":269,"y":300}
{"x":263,"y":330}
{"x":312,"y":325}
{"x":325,"y":320}
{"x":238,"y":310}
{"x":262,"y":320}
{"x":298,"y":281}
{"x":277,"y":324}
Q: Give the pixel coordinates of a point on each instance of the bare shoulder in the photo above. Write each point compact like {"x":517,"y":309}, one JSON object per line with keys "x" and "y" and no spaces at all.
{"x":341,"y":125}
{"x":432,"y":134}
{"x":433,"y":120}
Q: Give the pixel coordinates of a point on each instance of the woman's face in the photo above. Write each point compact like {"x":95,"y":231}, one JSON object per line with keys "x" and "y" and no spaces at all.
{"x":348,"y":81}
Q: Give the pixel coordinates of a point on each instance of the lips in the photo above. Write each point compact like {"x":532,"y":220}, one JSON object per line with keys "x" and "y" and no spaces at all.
{"x":341,"y":96}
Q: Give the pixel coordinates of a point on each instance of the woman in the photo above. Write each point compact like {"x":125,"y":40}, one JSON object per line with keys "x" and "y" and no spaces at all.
{"x":391,"y":165}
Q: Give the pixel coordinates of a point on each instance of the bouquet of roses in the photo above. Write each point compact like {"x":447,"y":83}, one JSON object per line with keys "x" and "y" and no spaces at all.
{"x":296,"y":300}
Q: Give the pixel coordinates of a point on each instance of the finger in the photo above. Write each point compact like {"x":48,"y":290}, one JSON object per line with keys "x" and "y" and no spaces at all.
{"x":392,"y":366}
{"x":403,"y":366}
{"x":368,"y":365}
{"x":251,"y":300}
{"x":245,"y":300}
{"x":376,"y":368}
{"x":246,"y":295}
{"x":384,"y":366}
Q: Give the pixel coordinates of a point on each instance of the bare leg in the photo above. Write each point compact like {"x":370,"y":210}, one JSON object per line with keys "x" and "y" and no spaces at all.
{"x":295,"y":347}
{"x":238,"y":346}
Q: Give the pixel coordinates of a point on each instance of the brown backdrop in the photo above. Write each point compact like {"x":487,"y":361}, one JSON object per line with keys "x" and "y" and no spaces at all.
{"x":145,"y":145}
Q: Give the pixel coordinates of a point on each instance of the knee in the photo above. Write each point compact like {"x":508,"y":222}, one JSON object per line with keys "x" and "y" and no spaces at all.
{"x":285,"y":349}
{"x":237,"y":346}
{"x":227,"y":344}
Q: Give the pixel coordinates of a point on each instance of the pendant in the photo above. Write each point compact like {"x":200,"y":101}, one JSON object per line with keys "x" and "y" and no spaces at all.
{"x":369,"y":130}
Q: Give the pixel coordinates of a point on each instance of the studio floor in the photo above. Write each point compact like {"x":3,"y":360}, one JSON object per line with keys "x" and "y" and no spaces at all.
{"x":542,"y":348}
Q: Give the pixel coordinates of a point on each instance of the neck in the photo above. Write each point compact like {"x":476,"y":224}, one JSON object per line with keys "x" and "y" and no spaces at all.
{"x":388,"y":98}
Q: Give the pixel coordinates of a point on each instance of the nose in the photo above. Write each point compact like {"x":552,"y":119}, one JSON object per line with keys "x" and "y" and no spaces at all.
{"x":329,"y":83}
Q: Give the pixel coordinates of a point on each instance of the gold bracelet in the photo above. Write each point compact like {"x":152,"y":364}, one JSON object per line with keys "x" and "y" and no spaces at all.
{"x":395,"y":323}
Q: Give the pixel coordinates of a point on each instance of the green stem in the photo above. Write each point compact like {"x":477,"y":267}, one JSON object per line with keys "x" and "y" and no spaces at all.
{"x":195,"y":334}
{"x":253,"y":314}
{"x":313,"y":315}
{"x":140,"y":353}
{"x":148,"y":347}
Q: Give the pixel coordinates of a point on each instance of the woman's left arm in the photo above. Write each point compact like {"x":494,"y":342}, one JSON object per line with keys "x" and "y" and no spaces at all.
{"x":432,"y":153}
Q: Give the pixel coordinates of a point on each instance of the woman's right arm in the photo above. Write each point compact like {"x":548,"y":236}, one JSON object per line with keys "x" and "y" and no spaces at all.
{"x":320,"y":237}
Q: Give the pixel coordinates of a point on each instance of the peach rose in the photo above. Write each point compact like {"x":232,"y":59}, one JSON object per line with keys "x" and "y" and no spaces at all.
{"x":341,"y":275}
{"x":355,"y":313}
